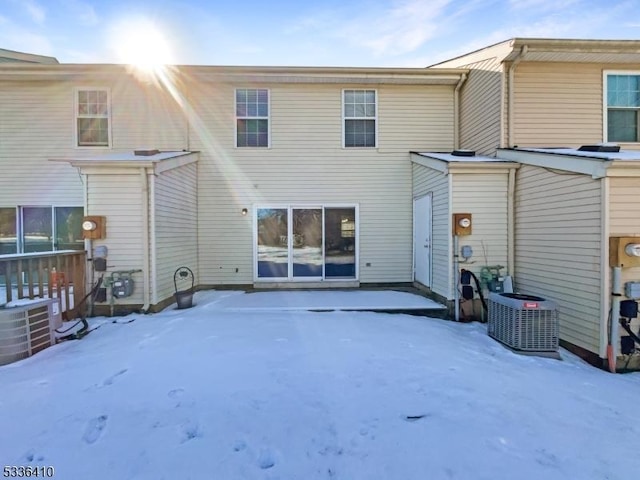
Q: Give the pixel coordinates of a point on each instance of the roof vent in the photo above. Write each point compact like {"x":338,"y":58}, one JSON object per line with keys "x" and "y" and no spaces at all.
{"x":600,"y":147}
{"x":146,"y":153}
{"x":463,"y":153}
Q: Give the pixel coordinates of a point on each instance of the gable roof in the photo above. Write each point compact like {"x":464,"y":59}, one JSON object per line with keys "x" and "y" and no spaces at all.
{"x":10,"y":56}
{"x":552,"y":50}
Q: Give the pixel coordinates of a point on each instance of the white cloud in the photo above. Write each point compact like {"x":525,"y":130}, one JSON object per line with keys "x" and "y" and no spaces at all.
{"x":16,"y":38}
{"x":35,"y":11}
{"x":82,"y":11}
{"x":542,"y":5}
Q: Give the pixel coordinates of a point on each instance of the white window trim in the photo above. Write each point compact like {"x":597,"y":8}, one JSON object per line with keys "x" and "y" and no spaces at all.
{"x":374,"y":118}
{"x":290,"y":207}
{"x":605,"y":103}
{"x":236,"y":118}
{"x":76,"y":91}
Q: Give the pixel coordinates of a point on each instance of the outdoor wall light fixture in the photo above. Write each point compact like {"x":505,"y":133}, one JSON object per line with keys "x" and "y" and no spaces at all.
{"x":244,"y":211}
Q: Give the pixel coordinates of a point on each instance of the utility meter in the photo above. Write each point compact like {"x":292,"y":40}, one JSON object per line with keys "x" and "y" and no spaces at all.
{"x":122,"y":287}
{"x":462,"y":224}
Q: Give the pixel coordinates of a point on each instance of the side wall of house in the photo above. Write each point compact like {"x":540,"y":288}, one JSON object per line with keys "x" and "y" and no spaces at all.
{"x":484,"y":195}
{"x":624,"y":220}
{"x":560,"y":104}
{"x":428,"y":181}
{"x":558,"y":248}
{"x":480,"y":107}
{"x":307,"y":165}
{"x":176,"y":227}
{"x":119,"y":198}
{"x":480,"y":98}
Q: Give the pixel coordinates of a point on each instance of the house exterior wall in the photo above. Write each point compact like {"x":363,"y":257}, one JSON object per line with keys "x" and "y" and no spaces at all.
{"x":561,"y":104}
{"x":481,"y":114}
{"x":37,"y":122}
{"x":176,"y":227}
{"x":426,"y":180}
{"x":306,"y":165}
{"x":484,"y":195}
{"x":119,"y":197}
{"x":624,"y":220}
{"x":558,"y":248}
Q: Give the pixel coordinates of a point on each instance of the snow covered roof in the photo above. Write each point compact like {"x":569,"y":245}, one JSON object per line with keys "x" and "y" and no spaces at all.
{"x":132,"y":159}
{"x":444,"y":162}
{"x":594,"y":163}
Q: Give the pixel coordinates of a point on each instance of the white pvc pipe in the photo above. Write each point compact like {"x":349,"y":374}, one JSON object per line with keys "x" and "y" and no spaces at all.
{"x":511,"y":96}
{"x":456,"y":111}
{"x":511,"y":223}
{"x":616,"y":293}
{"x":145,"y":238}
{"x":456,"y":273}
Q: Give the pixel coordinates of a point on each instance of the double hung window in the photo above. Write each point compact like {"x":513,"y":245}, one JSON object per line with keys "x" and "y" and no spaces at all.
{"x":622,"y":107}
{"x":252,"y":117}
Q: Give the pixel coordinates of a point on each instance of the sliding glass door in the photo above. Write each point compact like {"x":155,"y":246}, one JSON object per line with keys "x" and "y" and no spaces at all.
{"x":273,"y":242}
{"x":306,"y":243}
{"x":340,"y":243}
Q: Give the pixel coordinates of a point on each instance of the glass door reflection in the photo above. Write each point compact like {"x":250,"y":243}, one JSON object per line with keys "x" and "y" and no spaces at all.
{"x":273,"y":243}
{"x":307,"y":242}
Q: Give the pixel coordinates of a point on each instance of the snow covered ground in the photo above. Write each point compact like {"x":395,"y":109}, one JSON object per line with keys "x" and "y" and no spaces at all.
{"x":217,"y":393}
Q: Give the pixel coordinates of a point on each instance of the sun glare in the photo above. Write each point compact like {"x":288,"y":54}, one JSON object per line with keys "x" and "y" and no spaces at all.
{"x":142,"y":45}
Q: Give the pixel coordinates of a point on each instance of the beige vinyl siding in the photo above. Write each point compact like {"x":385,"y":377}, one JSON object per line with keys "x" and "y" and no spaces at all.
{"x":558,"y":248}
{"x":427,"y":180}
{"x":306,"y":164}
{"x":176,"y":227}
{"x":624,"y":220}
{"x":144,"y":115}
{"x":480,"y":107}
{"x":37,"y":122}
{"x":119,"y":199}
{"x":484,"y":196}
{"x":560,"y":104}
{"x":36,"y":119}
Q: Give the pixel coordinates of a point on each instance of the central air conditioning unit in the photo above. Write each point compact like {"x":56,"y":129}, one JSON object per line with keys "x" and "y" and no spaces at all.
{"x":27,"y":329}
{"x":525,"y":323}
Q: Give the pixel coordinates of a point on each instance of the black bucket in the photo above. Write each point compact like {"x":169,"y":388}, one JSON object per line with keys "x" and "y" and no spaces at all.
{"x":184,"y":298}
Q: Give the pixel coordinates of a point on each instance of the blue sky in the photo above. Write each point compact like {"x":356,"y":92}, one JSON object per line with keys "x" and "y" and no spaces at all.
{"x":405,"y":33}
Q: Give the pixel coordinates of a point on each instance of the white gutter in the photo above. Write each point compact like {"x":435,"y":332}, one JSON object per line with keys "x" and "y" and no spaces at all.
{"x":145,"y":238}
{"x":456,"y":111}
{"x":512,"y":69}
{"x":151,"y":178}
{"x":511,"y":188}
{"x":605,"y":269}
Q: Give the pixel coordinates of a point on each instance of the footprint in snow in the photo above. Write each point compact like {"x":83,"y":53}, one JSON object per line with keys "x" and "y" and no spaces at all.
{"x":190,"y":430}
{"x":175,"y":393}
{"x":239,"y":446}
{"x":31,"y":456}
{"x":109,"y":380}
{"x":94,"y":429}
{"x":265,"y":459}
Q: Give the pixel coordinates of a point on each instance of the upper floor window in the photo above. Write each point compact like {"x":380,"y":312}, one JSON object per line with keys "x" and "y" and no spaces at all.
{"x":92,"y":117}
{"x":360,"y":116}
{"x":623,"y":106}
{"x":252,"y":117}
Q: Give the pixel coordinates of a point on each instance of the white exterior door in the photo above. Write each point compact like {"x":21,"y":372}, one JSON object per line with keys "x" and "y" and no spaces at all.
{"x":422,"y":240}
